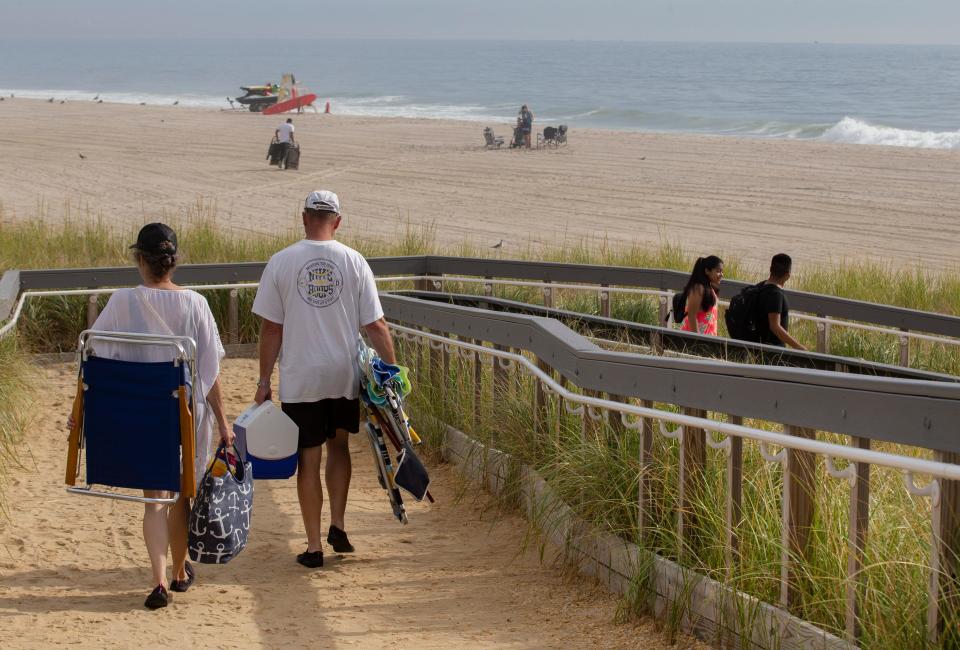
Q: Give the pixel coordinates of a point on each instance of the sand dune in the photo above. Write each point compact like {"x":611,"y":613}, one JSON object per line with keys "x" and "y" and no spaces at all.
{"x":740,"y":196}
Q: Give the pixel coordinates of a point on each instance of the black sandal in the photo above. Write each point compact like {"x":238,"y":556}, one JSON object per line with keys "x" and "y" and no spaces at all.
{"x":158,"y":598}
{"x":183,"y":585}
{"x":311,"y":559}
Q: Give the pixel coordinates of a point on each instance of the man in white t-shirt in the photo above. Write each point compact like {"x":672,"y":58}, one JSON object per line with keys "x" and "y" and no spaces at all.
{"x":314,"y":298}
{"x":284,"y":135}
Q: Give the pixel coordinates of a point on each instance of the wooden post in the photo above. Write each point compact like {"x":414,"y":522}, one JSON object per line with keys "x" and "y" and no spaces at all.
{"x":500,"y":377}
{"x":943,"y":611}
{"x":93,"y":310}
{"x":423,"y":284}
{"x":233,"y":317}
{"x":823,"y":336}
{"x":540,"y":411}
{"x":645,"y":484}
{"x":904,"y":349}
{"x":436,"y":361}
{"x":604,"y":301}
{"x":548,"y":296}
{"x":857,"y":540}
{"x":590,"y":426}
{"x":656,"y":344}
{"x":487,"y":287}
{"x":477,"y":388}
{"x":734,"y":510}
{"x":799,"y":485}
{"x":617,"y":432}
{"x":445,"y":368}
{"x":693,"y":460}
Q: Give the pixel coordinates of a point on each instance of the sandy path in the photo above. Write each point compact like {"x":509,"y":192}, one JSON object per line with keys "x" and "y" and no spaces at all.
{"x":739,"y":196}
{"x":73,"y":570}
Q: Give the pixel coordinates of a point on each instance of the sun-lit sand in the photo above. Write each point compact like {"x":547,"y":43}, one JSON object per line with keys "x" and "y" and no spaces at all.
{"x":74,"y":571}
{"x":736,"y":196}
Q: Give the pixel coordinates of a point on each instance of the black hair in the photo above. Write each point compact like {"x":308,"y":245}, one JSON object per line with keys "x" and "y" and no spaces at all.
{"x":780,"y":265}
{"x":159,"y":263}
{"x":699,"y":276}
{"x":289,"y":120}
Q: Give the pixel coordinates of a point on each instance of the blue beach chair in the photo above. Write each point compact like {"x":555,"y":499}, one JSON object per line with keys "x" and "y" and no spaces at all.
{"x":134,"y":419}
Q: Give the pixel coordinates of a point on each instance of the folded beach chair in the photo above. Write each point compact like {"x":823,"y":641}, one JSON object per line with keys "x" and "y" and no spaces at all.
{"x":382,"y":389}
{"x":491,"y":140}
{"x":134,"y":420}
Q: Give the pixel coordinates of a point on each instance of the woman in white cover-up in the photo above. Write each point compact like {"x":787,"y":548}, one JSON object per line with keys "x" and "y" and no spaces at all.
{"x":158,"y":306}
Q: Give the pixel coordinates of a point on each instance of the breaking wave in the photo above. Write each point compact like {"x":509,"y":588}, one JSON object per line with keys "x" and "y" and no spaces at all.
{"x":854,"y":131}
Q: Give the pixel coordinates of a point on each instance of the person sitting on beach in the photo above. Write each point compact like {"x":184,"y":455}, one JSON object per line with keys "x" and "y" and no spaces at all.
{"x":158,"y":306}
{"x":284,"y":135}
{"x":701,"y":295}
{"x":773,"y":310}
{"x":314,"y":298}
{"x":526,"y":124}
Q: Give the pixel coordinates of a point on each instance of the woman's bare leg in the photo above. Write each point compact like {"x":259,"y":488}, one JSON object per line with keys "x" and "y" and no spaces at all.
{"x":155,"y":535}
{"x":177,"y":519}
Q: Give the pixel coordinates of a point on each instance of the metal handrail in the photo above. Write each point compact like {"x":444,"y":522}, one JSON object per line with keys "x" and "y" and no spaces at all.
{"x":910,"y":464}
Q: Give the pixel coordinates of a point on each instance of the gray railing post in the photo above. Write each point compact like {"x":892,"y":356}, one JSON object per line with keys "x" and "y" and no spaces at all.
{"x":233,"y":317}
{"x":799,"y":484}
{"x":93,"y":309}
{"x":734,"y":509}
{"x":548,"y":296}
{"x":693,"y":460}
{"x":477,"y":387}
{"x":904,"y":349}
{"x":646,"y":482}
{"x":859,"y":521}
{"x":823,"y":336}
{"x":605,"y":301}
{"x":487,"y":286}
{"x":943,"y":611}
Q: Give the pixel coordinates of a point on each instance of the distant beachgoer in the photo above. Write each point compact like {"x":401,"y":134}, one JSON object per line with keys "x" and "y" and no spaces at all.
{"x":773,"y":310}
{"x":526,"y":124}
{"x":284,"y":135}
{"x":158,"y":306}
{"x":701,"y":295}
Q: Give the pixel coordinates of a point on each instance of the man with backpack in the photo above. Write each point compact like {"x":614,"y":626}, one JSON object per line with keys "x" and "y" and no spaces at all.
{"x":761,"y":313}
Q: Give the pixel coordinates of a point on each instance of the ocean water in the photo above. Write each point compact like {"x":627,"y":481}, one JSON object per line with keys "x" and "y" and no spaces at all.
{"x":895,"y":95}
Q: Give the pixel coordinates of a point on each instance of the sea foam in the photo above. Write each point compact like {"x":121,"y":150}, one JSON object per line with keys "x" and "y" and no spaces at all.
{"x":854,"y":131}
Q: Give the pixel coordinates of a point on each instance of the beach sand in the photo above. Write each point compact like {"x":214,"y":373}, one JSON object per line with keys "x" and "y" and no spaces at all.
{"x":740,"y":197}
{"x":74,"y":571}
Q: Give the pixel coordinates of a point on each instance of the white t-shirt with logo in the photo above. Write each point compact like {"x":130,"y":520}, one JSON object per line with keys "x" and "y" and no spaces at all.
{"x":322,"y":292}
{"x":285,"y":131}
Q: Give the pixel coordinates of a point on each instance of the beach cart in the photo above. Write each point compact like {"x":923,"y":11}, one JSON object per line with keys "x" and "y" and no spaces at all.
{"x":133,"y":420}
{"x":383,"y":387}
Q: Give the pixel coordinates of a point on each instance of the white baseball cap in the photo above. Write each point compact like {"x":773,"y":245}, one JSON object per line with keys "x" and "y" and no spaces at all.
{"x":323,"y":200}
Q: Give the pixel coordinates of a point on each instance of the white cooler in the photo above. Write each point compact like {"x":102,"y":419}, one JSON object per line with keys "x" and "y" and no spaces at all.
{"x":268,"y":439}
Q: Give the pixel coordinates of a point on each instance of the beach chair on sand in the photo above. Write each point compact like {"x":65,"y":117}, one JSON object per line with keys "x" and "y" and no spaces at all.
{"x":134,"y":420}
{"x":491,"y":140}
{"x":552,"y":136}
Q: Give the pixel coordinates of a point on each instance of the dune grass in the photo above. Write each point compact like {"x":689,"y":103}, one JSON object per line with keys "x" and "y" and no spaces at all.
{"x":598,"y":474}
{"x":16,"y":384}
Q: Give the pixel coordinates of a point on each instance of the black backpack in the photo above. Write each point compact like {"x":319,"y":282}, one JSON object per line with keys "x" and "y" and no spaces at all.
{"x":679,"y":304}
{"x":741,"y":315}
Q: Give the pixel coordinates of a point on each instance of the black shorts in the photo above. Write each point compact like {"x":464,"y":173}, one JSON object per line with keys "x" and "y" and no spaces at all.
{"x":319,"y":421}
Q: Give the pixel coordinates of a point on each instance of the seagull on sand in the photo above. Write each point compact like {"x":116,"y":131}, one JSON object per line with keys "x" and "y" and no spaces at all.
{"x":176,"y":102}
{"x":82,"y":157}
{"x":63,"y":101}
{"x":99,"y":101}
{"x":97,"y":97}
{"x":50,"y":101}
{"x":499,"y":244}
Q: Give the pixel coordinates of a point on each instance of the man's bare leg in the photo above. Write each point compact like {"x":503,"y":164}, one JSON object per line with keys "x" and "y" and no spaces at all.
{"x":177,"y":518}
{"x":310,"y":493}
{"x":338,"y":473}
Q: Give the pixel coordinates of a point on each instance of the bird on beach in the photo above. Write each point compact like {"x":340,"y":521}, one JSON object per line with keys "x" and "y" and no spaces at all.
{"x":499,"y":244}
{"x":176,"y":102}
{"x":63,"y":101}
{"x":50,"y":101}
{"x":143,"y":103}
{"x":97,"y":97}
{"x":99,"y":101}
{"x":82,"y":157}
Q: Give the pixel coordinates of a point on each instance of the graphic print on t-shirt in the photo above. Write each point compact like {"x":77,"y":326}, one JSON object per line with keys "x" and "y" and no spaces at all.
{"x":320,"y":282}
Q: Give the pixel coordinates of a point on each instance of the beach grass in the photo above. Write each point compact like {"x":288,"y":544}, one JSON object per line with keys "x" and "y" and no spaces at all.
{"x":16,"y":384}
{"x":597,"y":472}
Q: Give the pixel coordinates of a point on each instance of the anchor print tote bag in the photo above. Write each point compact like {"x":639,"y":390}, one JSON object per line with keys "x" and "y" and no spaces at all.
{"x":220,"y":518}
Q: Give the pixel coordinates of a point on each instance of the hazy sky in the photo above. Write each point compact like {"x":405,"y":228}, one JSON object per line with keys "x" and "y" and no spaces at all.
{"x":854,"y":21}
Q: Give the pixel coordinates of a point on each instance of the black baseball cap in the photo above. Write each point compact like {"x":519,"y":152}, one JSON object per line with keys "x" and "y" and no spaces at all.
{"x":156,"y":238}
